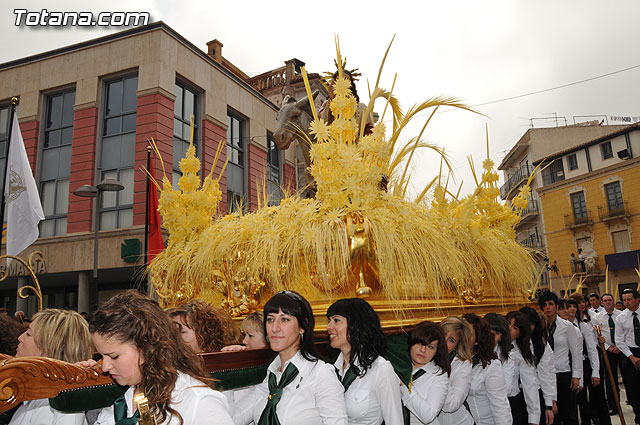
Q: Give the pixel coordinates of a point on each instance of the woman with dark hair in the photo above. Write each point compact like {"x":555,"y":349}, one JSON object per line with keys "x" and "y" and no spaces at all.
{"x":545,"y":369}
{"x":298,"y":388}
{"x":591,"y":399}
{"x":371,"y":386}
{"x":457,"y":335}
{"x":524,"y":397}
{"x":487,"y":399}
{"x":502,"y":347}
{"x":141,"y":348}
{"x":204,"y":328}
{"x":427,"y":390}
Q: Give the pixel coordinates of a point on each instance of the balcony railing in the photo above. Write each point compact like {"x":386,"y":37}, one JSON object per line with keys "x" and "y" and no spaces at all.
{"x":532,"y":209}
{"x":515,"y":178}
{"x":577,"y":220}
{"x":615,"y":210}
{"x":532,"y":242}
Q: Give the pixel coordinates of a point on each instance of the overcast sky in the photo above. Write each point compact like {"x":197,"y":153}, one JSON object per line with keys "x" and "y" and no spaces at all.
{"x":479,"y":51}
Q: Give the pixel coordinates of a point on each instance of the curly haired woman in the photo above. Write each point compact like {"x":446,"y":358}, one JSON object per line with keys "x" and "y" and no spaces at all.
{"x":141,"y":348}
{"x":371,"y":387}
{"x":203,"y":328}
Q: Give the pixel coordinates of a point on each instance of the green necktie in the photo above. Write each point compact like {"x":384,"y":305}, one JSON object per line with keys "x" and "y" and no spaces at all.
{"x":636,"y":328}
{"x":349,"y":377}
{"x":269,"y":415}
{"x":612,"y":329}
{"x":552,"y":329}
{"x":120,"y":413}
{"x":406,"y":414}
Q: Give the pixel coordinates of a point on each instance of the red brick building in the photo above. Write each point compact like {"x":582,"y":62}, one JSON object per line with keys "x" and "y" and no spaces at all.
{"x":86,"y":112}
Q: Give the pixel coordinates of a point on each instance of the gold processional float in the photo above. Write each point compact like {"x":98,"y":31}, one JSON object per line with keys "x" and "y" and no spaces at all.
{"x":414,"y":259}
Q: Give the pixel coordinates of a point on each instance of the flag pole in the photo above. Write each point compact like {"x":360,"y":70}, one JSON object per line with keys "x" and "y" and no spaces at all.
{"x":14,"y":102}
{"x":146,"y":210}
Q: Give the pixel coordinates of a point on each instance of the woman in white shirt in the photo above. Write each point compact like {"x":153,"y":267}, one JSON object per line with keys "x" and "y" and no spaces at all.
{"x":457,"y":334}
{"x":57,"y":334}
{"x":487,"y":399}
{"x":141,"y":348}
{"x":298,"y":388}
{"x":545,"y":369}
{"x":427,"y":390}
{"x":371,"y":386}
{"x":525,"y":384}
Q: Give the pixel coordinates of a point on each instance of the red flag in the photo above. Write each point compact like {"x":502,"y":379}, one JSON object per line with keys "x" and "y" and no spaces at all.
{"x":156,"y":245}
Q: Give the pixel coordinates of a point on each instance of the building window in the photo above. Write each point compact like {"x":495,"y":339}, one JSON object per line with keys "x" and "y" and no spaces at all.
{"x":605,"y":149}
{"x":274,"y":172}
{"x":579,"y":207}
{"x":621,"y":241}
{"x":4,"y":135}
{"x":118,"y":151}
{"x":184,"y":108}
{"x":572,"y":161}
{"x":236,"y":157}
{"x":614,"y":197}
{"x":56,"y":162}
{"x":553,"y":173}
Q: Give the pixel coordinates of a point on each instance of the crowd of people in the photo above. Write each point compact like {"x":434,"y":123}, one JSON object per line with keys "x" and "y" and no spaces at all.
{"x":530,"y":366}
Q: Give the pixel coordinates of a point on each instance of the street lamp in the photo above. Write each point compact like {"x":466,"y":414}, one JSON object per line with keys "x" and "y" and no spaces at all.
{"x":88,"y":191}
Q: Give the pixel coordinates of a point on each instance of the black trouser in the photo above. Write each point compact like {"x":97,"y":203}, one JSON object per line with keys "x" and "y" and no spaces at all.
{"x":543,"y":409}
{"x":519,"y":409}
{"x":631,"y":379}
{"x":613,"y":362}
{"x":567,"y":410}
{"x":591,"y":401}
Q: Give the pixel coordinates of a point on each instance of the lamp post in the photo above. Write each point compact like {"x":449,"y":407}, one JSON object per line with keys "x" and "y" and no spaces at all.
{"x":88,"y":191}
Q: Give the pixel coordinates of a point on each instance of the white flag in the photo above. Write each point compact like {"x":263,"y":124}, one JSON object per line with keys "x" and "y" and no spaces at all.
{"x":24,"y":210}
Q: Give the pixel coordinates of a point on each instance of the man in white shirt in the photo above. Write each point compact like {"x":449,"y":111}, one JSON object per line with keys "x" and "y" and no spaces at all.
{"x":595,"y":309}
{"x":606,"y":320}
{"x":567,"y":355}
{"x":628,"y":341}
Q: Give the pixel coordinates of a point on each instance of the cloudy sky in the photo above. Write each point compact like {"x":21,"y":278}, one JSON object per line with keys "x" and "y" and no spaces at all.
{"x":480,"y":51}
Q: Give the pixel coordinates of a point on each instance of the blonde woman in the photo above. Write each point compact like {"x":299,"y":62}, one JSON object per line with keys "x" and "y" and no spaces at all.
{"x":58,"y":334}
{"x":457,"y":334}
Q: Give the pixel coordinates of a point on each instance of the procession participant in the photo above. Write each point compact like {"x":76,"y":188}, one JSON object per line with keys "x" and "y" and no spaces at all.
{"x":593,"y":401}
{"x":299,"y":388}
{"x":427,"y":390}
{"x":371,"y":386}
{"x":563,"y":342}
{"x":253,"y":330}
{"x":141,"y":348}
{"x":628,"y":341}
{"x":487,"y":399}
{"x":620,"y":306}
{"x":525,"y":389}
{"x":457,"y":335}
{"x":594,"y":304}
{"x":545,"y":370}
{"x":606,"y":320}
{"x":203,"y":328}
{"x":58,"y":334}
{"x":10,"y":330}
{"x":502,"y":348}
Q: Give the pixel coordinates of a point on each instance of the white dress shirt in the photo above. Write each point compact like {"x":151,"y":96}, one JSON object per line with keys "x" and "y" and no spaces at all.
{"x":579,"y":337}
{"x":427,"y":395}
{"x":453,"y":411}
{"x":374,"y":397}
{"x":38,"y":412}
{"x":509,"y":370}
{"x":196,"y":403}
{"x":603,"y":320}
{"x":525,"y":379}
{"x":565,"y":342}
{"x":625,"y":338}
{"x":314,"y":397}
{"x":593,"y":312}
{"x":546,"y":373}
{"x":488,"y":395}
{"x":589,"y":336}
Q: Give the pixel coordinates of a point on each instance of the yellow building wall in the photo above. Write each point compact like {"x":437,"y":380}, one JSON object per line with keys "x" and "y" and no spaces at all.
{"x":562,"y":241}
